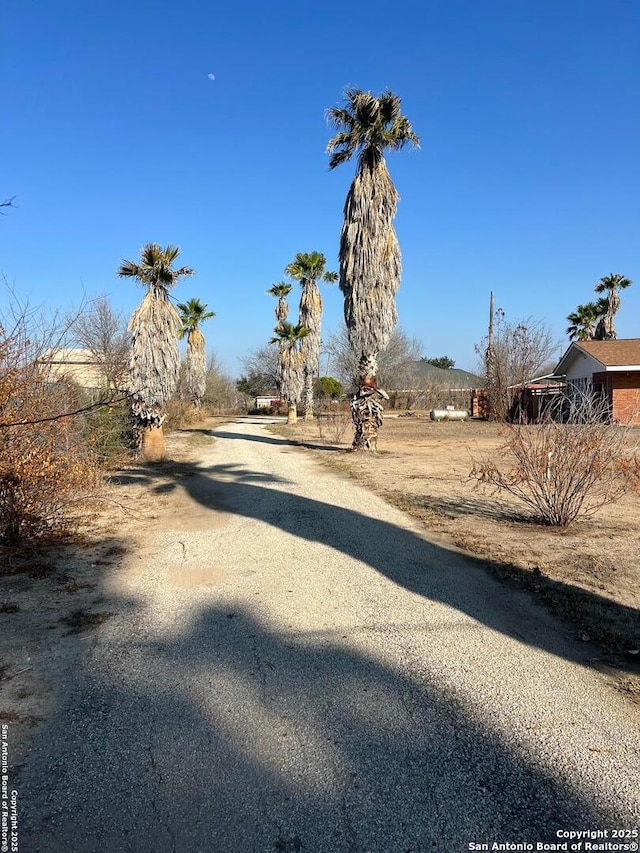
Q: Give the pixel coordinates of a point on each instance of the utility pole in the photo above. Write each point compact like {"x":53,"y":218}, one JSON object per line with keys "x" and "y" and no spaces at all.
{"x":489,"y":361}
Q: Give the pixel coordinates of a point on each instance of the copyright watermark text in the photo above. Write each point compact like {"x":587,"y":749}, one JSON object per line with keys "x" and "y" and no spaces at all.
{"x":8,"y":799}
{"x":582,"y":840}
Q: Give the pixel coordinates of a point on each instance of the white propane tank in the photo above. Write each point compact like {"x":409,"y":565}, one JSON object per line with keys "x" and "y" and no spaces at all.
{"x":448,"y":414}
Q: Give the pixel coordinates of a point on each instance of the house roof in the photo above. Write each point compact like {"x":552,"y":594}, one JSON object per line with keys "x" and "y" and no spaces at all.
{"x":452,"y":377}
{"x":618,"y":354}
{"x":65,"y":355}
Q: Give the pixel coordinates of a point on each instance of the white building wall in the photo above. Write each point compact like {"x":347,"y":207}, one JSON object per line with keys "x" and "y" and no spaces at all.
{"x":583,"y":366}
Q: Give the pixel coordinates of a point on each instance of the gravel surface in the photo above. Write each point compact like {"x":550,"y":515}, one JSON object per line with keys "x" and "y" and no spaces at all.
{"x":294,"y":667}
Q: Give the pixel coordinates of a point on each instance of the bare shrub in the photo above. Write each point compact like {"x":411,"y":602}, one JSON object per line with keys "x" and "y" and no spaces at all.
{"x":102,"y":331}
{"x":47,"y":467}
{"x":569,"y":465}
{"x":520,"y":351}
{"x":332,"y":427}
{"x":396,"y":362}
{"x":181,"y":414}
{"x":221,"y":395}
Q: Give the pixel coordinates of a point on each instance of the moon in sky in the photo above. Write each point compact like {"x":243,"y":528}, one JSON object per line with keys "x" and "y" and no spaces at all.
{"x":211,"y":76}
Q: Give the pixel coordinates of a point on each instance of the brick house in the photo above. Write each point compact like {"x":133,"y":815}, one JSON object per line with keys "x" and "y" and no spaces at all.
{"x":610,"y":369}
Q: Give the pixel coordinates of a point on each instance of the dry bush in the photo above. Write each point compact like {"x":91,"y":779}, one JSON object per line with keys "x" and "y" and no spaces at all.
{"x":334,"y":426}
{"x":564,"y":469}
{"x":182,"y":414}
{"x":520,"y":351}
{"x":47,"y":469}
{"x":110,"y":432}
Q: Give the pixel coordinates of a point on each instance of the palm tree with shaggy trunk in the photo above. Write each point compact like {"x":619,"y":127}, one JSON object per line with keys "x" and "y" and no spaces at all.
{"x":192,"y":314}
{"x":281,"y":290}
{"x":308,"y":268}
{"x":584,"y":320}
{"x":610,"y":284}
{"x":370,"y":264}
{"x":155,"y":357}
{"x":291,"y":369}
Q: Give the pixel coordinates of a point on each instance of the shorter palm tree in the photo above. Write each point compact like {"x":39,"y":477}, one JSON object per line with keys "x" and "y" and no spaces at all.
{"x":193,"y":313}
{"x":308,"y":268}
{"x":281,"y":290}
{"x":610,"y":284}
{"x":155,"y":356}
{"x":291,"y":370}
{"x":583,"y":321}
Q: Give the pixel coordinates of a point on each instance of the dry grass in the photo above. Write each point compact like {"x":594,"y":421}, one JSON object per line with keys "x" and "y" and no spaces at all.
{"x":335,"y":427}
{"x":587,"y":573}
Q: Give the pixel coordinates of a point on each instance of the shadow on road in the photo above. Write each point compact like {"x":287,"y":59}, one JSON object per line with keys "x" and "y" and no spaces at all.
{"x":223,"y":735}
{"x":299,"y":744}
{"x":265,"y":439}
{"x":407,"y":559}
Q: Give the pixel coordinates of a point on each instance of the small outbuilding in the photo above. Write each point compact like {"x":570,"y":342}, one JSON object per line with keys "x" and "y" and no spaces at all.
{"x":607,"y":369}
{"x":267,"y":401}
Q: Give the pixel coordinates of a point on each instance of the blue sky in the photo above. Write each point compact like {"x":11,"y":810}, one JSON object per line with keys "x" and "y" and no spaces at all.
{"x":527,"y":182}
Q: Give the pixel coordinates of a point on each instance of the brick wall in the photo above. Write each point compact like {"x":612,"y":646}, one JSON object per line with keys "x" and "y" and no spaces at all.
{"x":625,"y":388}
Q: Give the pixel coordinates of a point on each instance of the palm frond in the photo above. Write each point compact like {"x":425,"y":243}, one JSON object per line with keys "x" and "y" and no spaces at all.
{"x":339,"y":117}
{"x":154,"y":269}
{"x":282,"y":288}
{"x":288,"y":333}
{"x":129,"y":269}
{"x":194,"y":313}
{"x":340,"y":157}
{"x":369,"y":125}
{"x":612,"y":282}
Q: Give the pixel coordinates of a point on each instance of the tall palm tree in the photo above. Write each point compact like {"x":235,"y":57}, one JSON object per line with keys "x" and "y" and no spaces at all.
{"x":155,"y":358}
{"x":583,"y":321}
{"x":192,"y":314}
{"x":281,"y":290}
{"x":308,"y":268}
{"x":610,"y":284}
{"x":370,"y":264}
{"x":291,"y":370}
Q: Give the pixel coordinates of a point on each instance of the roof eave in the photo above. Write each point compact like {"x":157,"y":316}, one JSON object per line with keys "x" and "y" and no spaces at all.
{"x":573,"y":347}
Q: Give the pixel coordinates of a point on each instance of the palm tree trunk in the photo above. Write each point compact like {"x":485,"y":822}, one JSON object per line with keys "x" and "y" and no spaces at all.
{"x":292,"y":414}
{"x":366,"y":409}
{"x":308,"y":396}
{"x":153,"y":443}
{"x":366,"y":414}
{"x":613,"y":303}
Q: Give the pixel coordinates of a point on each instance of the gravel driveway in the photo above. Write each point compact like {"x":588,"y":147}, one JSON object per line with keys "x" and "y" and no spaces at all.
{"x":294,"y":667}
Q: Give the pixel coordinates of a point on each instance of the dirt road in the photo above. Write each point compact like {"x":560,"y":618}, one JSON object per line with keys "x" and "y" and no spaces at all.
{"x":293,"y":667}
